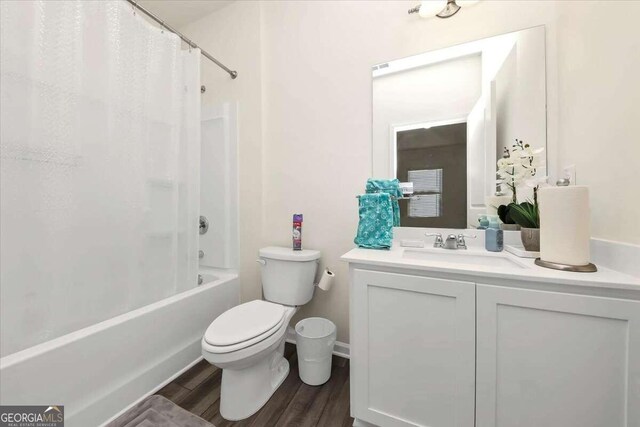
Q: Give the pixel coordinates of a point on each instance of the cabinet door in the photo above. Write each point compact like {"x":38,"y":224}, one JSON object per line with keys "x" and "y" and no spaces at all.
{"x":412,"y":350}
{"x":553,"y":359}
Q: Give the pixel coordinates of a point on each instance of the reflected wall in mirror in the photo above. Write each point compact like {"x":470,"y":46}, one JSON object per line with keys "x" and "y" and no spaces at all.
{"x":442,"y":119}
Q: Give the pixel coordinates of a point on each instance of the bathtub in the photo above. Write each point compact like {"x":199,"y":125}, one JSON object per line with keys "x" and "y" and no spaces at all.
{"x":99,"y":371}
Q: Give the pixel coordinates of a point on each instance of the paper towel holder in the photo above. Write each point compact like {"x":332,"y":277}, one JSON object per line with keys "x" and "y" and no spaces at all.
{"x":589,"y":268}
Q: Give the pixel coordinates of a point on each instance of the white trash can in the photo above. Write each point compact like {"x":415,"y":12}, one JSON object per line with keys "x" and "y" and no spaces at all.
{"x":315,"y":338}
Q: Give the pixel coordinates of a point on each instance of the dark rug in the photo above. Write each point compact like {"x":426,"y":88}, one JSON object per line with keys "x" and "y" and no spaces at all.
{"x":156,"y":411}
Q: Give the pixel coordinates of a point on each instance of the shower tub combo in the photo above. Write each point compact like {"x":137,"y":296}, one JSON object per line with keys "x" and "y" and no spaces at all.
{"x":108,"y":158}
{"x":99,"y":371}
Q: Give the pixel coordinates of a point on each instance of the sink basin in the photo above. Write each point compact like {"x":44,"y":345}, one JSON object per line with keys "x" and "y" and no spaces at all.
{"x":484,"y":259}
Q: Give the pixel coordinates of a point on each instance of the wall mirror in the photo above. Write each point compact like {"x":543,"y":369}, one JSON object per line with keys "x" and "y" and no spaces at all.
{"x":443,"y":118}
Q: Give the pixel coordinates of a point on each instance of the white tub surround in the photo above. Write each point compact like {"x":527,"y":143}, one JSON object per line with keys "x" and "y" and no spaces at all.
{"x":219,"y":179}
{"x":457,"y":337}
{"x":99,"y":371}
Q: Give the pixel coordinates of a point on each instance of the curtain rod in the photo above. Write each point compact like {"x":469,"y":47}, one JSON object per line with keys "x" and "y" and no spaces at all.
{"x":184,"y":38}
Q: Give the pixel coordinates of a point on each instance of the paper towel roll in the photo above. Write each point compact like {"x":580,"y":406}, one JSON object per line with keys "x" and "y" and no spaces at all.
{"x":326,"y":280}
{"x":564,"y":224}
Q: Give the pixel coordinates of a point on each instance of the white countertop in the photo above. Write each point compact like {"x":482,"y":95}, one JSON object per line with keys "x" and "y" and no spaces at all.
{"x":603,"y":278}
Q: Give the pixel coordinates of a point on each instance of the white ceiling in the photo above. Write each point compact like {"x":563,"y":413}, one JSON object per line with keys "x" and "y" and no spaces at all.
{"x":181,"y":12}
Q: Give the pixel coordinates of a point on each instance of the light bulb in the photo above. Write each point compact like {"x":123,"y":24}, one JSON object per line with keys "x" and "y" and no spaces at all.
{"x":430,"y":8}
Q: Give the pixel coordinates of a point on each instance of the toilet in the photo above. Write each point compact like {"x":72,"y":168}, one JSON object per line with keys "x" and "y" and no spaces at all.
{"x":247,"y":341}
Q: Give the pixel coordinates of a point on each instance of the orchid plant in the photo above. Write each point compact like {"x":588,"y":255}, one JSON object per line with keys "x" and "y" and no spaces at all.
{"x":519,"y":165}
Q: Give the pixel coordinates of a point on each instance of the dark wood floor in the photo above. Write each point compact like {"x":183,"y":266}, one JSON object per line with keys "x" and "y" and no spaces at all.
{"x":293,"y":404}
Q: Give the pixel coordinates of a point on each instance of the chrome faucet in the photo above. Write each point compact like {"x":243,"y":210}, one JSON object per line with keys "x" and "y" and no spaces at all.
{"x":461,"y":243}
{"x":437,"y":243}
{"x":452,"y":242}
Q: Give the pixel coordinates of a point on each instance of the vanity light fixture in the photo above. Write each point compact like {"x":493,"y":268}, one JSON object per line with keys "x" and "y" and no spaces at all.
{"x":440,"y":8}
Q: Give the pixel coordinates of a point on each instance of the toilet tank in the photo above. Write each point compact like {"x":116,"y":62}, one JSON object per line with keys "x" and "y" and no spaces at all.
{"x":287,"y":275}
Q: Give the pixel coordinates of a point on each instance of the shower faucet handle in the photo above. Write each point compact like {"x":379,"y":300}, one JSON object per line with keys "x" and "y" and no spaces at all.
{"x":204,"y":224}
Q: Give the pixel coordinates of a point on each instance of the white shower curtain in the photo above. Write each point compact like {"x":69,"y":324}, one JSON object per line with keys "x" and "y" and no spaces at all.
{"x":100,"y":146}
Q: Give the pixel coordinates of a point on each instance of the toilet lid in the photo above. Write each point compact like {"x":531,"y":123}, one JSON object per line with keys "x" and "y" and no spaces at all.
{"x":244,"y":322}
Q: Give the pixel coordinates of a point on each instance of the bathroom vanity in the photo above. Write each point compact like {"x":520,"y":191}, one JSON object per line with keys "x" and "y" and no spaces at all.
{"x":467,"y":337}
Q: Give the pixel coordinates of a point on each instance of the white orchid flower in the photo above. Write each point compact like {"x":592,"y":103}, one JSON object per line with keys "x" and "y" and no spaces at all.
{"x":520,"y":175}
{"x":530,"y":152}
{"x":521,"y":166}
{"x":536,"y":181}
{"x":504,"y":163}
{"x":505,"y":175}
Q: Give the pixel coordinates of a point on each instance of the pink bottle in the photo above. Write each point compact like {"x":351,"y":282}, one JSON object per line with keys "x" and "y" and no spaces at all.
{"x":297,"y":232}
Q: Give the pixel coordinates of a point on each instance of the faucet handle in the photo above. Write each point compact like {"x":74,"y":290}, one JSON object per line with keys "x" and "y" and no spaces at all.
{"x":437,"y":243}
{"x":461,"y":243}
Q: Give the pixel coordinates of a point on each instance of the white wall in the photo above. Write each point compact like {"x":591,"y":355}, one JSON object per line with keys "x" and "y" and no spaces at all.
{"x":599,"y":114}
{"x":317,"y":88}
{"x":315,"y":99}
{"x":443,"y":91}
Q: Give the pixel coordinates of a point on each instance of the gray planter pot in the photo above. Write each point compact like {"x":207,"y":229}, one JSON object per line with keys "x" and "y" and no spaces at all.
{"x":510,"y":227}
{"x":530,"y":239}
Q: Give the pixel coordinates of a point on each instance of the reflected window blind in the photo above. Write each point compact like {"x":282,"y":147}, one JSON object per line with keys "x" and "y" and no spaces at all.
{"x":426,"y":181}
{"x":426,"y":206}
{"x":427,"y":186}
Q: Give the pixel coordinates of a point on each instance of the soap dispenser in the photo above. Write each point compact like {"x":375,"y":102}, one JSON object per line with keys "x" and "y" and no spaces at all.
{"x":494,"y":236}
{"x":483,"y":222}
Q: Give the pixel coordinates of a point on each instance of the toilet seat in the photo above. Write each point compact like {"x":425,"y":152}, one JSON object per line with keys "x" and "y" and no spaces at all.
{"x":243,"y":326}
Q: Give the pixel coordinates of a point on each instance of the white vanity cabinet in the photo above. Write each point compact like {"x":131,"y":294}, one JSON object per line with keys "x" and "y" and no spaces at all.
{"x":556,"y":359}
{"x":413,"y":344}
{"x":445,"y":352}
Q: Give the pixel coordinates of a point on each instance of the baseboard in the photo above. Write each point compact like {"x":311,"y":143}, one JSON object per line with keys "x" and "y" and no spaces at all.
{"x":340,"y":349}
{"x":360,"y":423}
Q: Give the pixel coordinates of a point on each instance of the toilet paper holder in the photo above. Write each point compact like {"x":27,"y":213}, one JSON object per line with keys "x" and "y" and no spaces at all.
{"x":326,"y":280}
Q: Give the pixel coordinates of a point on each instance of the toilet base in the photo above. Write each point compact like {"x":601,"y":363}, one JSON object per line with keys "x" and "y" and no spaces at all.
{"x":245,"y":391}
